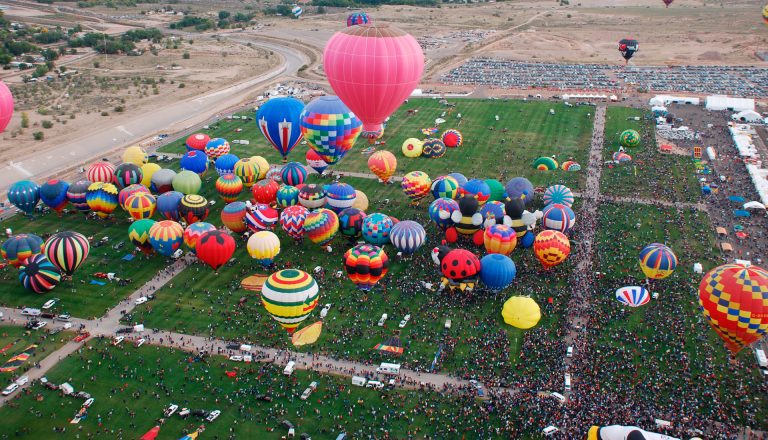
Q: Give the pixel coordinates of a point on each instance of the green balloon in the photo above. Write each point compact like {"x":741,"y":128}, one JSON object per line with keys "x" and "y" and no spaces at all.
{"x":187,"y":182}
{"x":497,"y":190}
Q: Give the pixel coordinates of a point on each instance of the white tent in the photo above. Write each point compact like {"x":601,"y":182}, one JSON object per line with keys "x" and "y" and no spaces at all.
{"x":697,"y":268}
{"x":748,"y":116}
{"x":669,"y":99}
{"x":754,"y":205}
{"x":720,"y":102}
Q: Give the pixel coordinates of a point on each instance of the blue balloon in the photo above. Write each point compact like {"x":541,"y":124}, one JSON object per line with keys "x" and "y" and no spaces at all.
{"x":24,"y":195}
{"x":54,"y":194}
{"x":440,"y":212}
{"x":339,"y":196}
{"x":493,"y":210}
{"x":459,"y":178}
{"x":226,"y":164}
{"x":278,"y":119}
{"x":168,"y":204}
{"x":527,"y":240}
{"x":195,"y":161}
{"x":497,"y":271}
{"x":520,"y":187}
{"x":407,"y":236}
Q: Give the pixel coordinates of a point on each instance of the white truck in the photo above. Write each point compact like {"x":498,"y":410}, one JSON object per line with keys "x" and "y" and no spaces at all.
{"x":359,"y":381}
{"x":762,"y":361}
{"x":387,"y":368}
{"x":289,"y":368}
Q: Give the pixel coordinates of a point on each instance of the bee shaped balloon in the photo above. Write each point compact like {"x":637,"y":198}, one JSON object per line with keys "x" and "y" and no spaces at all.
{"x":467,"y":221}
{"x":520,"y":219}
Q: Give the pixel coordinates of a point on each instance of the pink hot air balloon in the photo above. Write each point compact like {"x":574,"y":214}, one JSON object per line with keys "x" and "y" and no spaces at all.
{"x":6,"y":106}
{"x":373,"y":69}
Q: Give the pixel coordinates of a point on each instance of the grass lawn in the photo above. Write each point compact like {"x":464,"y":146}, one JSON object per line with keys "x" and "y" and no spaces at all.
{"x":531,"y":132}
{"x":131,"y":387}
{"x":14,"y":340}
{"x":78,"y":296}
{"x":651,"y":174}
{"x":687,"y":360}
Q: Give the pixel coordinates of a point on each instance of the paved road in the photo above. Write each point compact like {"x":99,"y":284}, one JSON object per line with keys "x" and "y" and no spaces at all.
{"x":129,"y":131}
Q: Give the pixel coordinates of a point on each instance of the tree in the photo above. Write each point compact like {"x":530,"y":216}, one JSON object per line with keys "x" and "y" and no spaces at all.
{"x":38,"y":135}
{"x":24,"y":120}
{"x":223,"y":15}
{"x":321,"y":9}
{"x":96,"y":64}
{"x":47,"y":124}
{"x":40,"y":71}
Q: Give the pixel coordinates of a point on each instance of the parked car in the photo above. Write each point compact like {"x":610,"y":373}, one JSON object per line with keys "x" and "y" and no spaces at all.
{"x":124,"y":330}
{"x":39,"y":325}
{"x":63,"y":317}
{"x":88,"y":402}
{"x":141,"y":300}
{"x":200,"y":413}
{"x":82,"y":337}
{"x":236,"y":358}
{"x":140,"y":342}
{"x":118,"y":340}
{"x":264,"y":398}
{"x":171,"y":410}
{"x":184,"y":413}
{"x":48,"y":304}
{"x":213,"y":415}
{"x":10,"y":389}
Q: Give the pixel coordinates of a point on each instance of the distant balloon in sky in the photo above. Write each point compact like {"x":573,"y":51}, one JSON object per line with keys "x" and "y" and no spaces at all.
{"x":628,"y":47}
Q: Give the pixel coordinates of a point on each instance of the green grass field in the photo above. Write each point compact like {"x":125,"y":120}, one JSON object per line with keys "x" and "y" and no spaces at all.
{"x":488,"y":151}
{"x":14,"y":340}
{"x":651,"y":174}
{"x":132,"y":386}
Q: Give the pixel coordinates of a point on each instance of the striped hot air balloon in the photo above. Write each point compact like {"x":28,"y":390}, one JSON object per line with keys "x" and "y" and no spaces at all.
{"x":330,"y":128}
{"x":558,"y":217}
{"x":138,"y":233}
{"x":216,"y":148}
{"x":657,"y":261}
{"x":445,"y":187}
{"x":19,"y":247}
{"x":229,"y":187}
{"x":38,"y":274}
{"x":101,"y":172}
{"x":321,"y":226}
{"x":193,"y":233}
{"x":383,"y":164}
{"x":499,"y":239}
{"x":261,"y":217}
{"x":77,"y":193}
{"x":292,"y":221}
{"x":166,"y":237}
{"x":293,"y":173}
{"x":312,"y":196}
{"x":452,"y":138}
{"x":141,"y":205}
{"x":558,"y":194}
{"x":233,"y":217}
{"x":67,"y":250}
{"x":102,"y":198}
{"x":193,"y":208}
{"x":339,"y":196}
{"x":366,"y":264}
{"x":287,"y":196}
{"x":128,"y":174}
{"x":128,"y":191}
{"x":247,"y":170}
{"x":633,"y":296}
{"x":263,"y":247}
{"x":289,"y":296}
{"x":407,"y":236}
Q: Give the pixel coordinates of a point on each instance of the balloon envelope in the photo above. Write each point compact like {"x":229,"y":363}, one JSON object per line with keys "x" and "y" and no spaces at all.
{"x":633,"y":296}
{"x":278,"y":119}
{"x":67,"y":250}
{"x":521,"y":312}
{"x":215,"y":248}
{"x":497,"y":271}
{"x":289,"y":296}
{"x":6,"y":106}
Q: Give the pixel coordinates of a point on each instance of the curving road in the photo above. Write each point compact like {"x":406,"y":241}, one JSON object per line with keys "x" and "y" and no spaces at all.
{"x":131,"y":130}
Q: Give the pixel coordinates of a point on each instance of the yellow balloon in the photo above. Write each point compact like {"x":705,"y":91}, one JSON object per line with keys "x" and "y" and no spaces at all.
{"x":413,"y":147}
{"x":263,"y":166}
{"x":361,"y":201}
{"x":264,"y":246}
{"x":521,"y":312}
{"x":135,"y":155}
{"x":307,"y":335}
{"x":147,"y":170}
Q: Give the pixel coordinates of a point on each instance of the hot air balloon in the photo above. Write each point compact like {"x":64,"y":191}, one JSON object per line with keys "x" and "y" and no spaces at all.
{"x":102,"y":198}
{"x":416,"y":185}
{"x":162,"y":180}
{"x":38,"y":274}
{"x":289,"y":296}
{"x":261,"y":217}
{"x":478,"y":189}
{"x":138,"y":233}
{"x":621,"y":157}
{"x":293,"y":173}
{"x":412,"y":148}
{"x":166,"y":237}
{"x":247,"y":170}
{"x":6,"y":106}
{"x":216,"y":148}
{"x":19,"y":247}
{"x":558,"y":194}
{"x":492,"y":212}
{"x":545,"y":163}
{"x":194,"y":231}
{"x":351,"y":223}
{"x":263,"y":247}
{"x":226,"y":164}
{"x":24,"y":195}
{"x":67,"y":250}
{"x":629,"y":138}
{"x":460,"y":269}
{"x":53,"y":194}
{"x":330,"y":128}
{"x":500,"y":239}
{"x":197,"y":142}
{"x":498,"y":194}
{"x":460,"y":178}
{"x":229,"y":187}
{"x":669,"y":2}
{"x":265,"y":191}
{"x":376,"y":228}
{"x":128,"y":191}
{"x":407,"y":236}
{"x":101,"y":172}
{"x":315,"y":162}
{"x":373,"y":69}
{"x":193,"y":208}
{"x":633,"y":296}
{"x":467,"y":220}
{"x":287,"y":196}
{"x":383,"y":164}
{"x":366,"y":265}
{"x":278,"y":120}
{"x":357,"y":18}
{"x":186,"y":182}
{"x":445,"y":187}
{"x":321,"y":226}
{"x":440,"y":212}
{"x":520,"y":188}
{"x":76,"y":194}
{"x":521,"y":312}
{"x":765,"y":20}
{"x":558,"y":217}
{"x":361,"y":200}
{"x":312,"y":196}
{"x":128,"y":174}
{"x":233,"y":217}
{"x":264,"y":168}
{"x":339,"y":196}
{"x":628,"y":47}
{"x":135,"y":155}
{"x":215,"y":248}
{"x":452,"y":138}
{"x":292,"y":221}
{"x":570,"y":165}
{"x":657,"y":261}
{"x":433,"y":148}
{"x":551,"y":248}
{"x":497,"y":271}
{"x":195,"y":161}
{"x":141,"y":205}
{"x":168,"y":205}
{"x":734,"y":299}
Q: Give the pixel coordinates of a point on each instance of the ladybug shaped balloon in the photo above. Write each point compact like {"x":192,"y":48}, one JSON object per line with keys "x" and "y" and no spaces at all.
{"x":460,"y":268}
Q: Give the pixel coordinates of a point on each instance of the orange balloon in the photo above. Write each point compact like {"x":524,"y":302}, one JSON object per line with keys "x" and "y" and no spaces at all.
{"x":383,"y":164}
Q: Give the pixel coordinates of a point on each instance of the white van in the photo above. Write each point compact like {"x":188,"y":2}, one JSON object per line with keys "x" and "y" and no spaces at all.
{"x":548,"y":431}
{"x":245,"y":347}
{"x":289,"y":368}
{"x":22,"y":380}
{"x":383,"y":319}
{"x":31,"y":312}
{"x":567,"y":381}
{"x":388,"y":368}
{"x":10,"y":389}
{"x":761,"y":359}
{"x":374,"y":384}
{"x":569,"y":352}
{"x":448,"y":324}
{"x":558,"y":396}
{"x":359,"y":381}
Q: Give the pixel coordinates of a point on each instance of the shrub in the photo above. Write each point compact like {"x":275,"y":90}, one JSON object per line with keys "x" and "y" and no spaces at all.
{"x":47,"y":124}
{"x":38,"y":135}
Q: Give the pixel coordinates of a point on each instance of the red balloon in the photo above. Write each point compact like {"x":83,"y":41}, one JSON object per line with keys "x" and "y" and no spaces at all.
{"x":215,"y":248}
{"x":265,"y":191}
{"x":373,"y":69}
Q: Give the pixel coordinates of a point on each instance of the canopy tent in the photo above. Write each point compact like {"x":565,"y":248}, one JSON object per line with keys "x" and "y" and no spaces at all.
{"x":737,"y":199}
{"x":741,"y":213}
{"x":721,"y":102}
{"x":721,"y":231}
{"x":726,"y":247}
{"x":754,"y":205}
{"x":749,"y":116}
{"x":697,"y":268}
{"x":128,"y":257}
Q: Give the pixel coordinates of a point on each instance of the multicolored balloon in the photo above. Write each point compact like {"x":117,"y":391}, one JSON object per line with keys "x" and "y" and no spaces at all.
{"x":229,"y":187}
{"x":366,"y":265}
{"x":53,"y":194}
{"x":633,"y":296}
{"x":357,"y":18}
{"x":247,"y":170}
{"x":627,"y":48}
{"x":263,"y":247}
{"x":497,"y":271}
{"x":19,"y":247}
{"x":412,"y":148}
{"x":141,"y":205}
{"x":558,"y":217}
{"x":233,"y":217}
{"x":351,"y":223}
{"x":38,"y":274}
{"x":138,"y":233}
{"x":193,"y":208}
{"x":657,"y":261}
{"x":445,"y":187}
{"x":500,"y":239}
{"x":226,"y":164}
{"x":128,"y":191}
{"x":292,"y":221}
{"x":376,"y":228}
{"x":287,"y":196}
{"x":312,"y":196}
{"x":261,"y":217}
{"x":460,"y":269}
{"x":478,"y":189}
{"x":289,"y":296}
{"x":293,"y":173}
{"x":383,"y":164}
{"x":166,"y":237}
{"x":168,"y":205}
{"x":216,"y":148}
{"x":416,"y":185}
{"x":194,"y":231}
{"x":102,"y":198}
{"x":433,"y":148}
{"x":545,"y":163}
{"x":452,"y":138}
{"x":24,"y":195}
{"x":101,"y":172}
{"x":162,"y":180}
{"x":339,"y":196}
{"x":558,"y":194}
{"x":330,"y":128}
{"x":67,"y":250}
{"x":315,"y":162}
{"x":629,"y":138}
{"x":440,"y":212}
{"x":321,"y":226}
{"x":551,"y":248}
{"x":492,"y":212}
{"x":77,"y":193}
{"x":278,"y":119}
{"x":128,"y":174}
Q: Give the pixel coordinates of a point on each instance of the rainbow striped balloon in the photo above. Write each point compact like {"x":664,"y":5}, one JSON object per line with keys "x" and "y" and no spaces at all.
{"x":321,"y":226}
{"x":289,"y":296}
{"x":141,"y":205}
{"x":166,"y":237}
{"x":38,"y":274}
{"x":67,"y":250}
